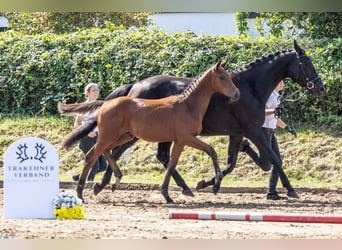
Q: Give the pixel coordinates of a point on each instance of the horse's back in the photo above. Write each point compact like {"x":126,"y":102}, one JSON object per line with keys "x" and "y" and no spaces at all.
{"x":159,"y":86}
{"x":120,"y":91}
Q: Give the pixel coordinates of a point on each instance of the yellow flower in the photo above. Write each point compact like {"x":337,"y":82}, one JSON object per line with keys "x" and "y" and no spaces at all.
{"x":70,"y":213}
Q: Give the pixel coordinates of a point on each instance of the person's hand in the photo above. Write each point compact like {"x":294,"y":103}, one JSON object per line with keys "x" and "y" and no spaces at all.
{"x":92,"y":134}
{"x":291,"y":130}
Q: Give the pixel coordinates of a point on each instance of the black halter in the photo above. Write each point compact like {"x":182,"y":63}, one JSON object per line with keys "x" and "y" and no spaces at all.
{"x":309,"y":84}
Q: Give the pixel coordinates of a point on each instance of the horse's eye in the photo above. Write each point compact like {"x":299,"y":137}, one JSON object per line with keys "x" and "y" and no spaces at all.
{"x":222,"y":77}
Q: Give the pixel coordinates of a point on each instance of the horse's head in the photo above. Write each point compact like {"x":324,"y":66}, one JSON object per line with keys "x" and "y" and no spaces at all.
{"x":305,"y":74}
{"x":223,"y":83}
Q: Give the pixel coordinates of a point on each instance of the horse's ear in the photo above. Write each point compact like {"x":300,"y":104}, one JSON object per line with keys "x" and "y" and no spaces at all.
{"x":224,"y":63}
{"x":218,"y":64}
{"x":299,"y":50}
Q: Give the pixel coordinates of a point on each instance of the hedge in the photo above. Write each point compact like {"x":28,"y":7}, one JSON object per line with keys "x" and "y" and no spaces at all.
{"x":37,"y":71}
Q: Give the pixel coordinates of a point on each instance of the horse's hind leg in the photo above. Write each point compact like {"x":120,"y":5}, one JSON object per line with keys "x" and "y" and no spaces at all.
{"x":164,"y":156}
{"x":116,"y":153}
{"x":124,"y":138}
{"x":233,"y":150}
{"x":115,"y":169}
{"x":90,"y":159}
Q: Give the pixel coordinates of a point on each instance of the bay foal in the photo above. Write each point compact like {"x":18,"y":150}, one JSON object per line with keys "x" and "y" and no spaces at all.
{"x":175,"y":118}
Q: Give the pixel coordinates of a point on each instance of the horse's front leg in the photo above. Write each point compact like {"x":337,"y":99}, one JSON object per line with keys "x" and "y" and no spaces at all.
{"x":257,"y":136}
{"x":164,"y":156}
{"x":176,"y":151}
{"x":233,"y":150}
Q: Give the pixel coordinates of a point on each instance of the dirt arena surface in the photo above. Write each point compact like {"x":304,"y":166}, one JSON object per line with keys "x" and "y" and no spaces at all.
{"x":143,"y":214}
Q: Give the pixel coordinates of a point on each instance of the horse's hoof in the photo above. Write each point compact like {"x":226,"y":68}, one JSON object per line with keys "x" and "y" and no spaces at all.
{"x":200,"y":185}
{"x":275,"y":197}
{"x":215,"y":189}
{"x":188,"y":192}
{"x":169,"y":200}
{"x":292,"y":194}
{"x":96,"y":188}
{"x":114,"y":186}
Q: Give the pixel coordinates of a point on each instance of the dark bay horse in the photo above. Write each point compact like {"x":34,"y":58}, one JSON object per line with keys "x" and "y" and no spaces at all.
{"x":176,"y":119}
{"x":243,"y":118}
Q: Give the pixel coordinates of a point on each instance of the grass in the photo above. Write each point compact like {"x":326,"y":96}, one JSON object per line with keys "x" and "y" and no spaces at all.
{"x":313,"y":159}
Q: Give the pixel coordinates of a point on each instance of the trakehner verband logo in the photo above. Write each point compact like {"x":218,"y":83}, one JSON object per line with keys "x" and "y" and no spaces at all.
{"x":22,"y":153}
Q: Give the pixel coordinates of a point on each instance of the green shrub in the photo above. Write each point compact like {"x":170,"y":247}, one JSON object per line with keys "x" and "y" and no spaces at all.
{"x":37,"y":71}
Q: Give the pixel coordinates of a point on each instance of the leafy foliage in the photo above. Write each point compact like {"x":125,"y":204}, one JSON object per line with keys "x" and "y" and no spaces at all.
{"x":37,"y":71}
{"x":65,"y":22}
{"x":305,"y":24}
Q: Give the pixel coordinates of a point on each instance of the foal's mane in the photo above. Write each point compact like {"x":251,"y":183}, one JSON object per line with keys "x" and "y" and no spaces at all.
{"x":193,"y":85}
{"x":270,"y":58}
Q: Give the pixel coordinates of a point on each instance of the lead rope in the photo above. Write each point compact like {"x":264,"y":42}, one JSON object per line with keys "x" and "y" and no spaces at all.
{"x":279,"y":111}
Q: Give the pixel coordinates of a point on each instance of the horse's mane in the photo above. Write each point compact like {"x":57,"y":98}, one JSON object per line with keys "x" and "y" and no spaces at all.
{"x":259,"y":61}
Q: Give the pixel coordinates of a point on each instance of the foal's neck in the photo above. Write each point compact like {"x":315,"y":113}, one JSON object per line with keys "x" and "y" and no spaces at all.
{"x":198,"y":95}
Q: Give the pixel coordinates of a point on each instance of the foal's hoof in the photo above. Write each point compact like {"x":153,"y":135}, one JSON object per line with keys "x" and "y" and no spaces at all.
{"x":200,"y":185}
{"x":292,"y":194}
{"x":188,"y":192}
{"x":79,"y":192}
{"x":96,"y":188}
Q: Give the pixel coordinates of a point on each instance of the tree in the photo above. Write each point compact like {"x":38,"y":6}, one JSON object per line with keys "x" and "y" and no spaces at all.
{"x":63,"y":22}
{"x":312,"y":24}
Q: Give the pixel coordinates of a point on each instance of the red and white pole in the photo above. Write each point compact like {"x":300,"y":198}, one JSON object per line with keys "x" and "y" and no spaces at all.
{"x":242,"y":216}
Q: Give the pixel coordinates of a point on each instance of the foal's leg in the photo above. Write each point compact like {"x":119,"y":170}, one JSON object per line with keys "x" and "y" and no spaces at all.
{"x":123,"y":138}
{"x":233,"y":150}
{"x":90,"y":159}
{"x":197,"y":143}
{"x":114,"y":167}
{"x":176,"y":151}
{"x":164,"y":156}
{"x":116,"y":153}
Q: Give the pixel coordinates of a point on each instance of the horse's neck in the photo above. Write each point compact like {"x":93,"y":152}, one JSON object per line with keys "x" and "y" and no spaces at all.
{"x":269,"y":74}
{"x":198,"y":97}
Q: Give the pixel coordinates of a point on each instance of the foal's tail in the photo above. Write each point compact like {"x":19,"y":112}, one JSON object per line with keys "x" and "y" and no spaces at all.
{"x":82,"y":108}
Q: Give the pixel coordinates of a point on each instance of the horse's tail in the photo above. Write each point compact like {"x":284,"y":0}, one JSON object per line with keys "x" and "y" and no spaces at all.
{"x":120,"y":91}
{"x":79,"y":108}
{"x":77,"y":134}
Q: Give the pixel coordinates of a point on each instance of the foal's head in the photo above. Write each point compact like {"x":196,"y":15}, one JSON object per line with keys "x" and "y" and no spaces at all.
{"x":222,"y":81}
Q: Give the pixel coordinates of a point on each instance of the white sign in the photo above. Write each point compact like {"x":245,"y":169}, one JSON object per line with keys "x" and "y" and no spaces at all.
{"x":31,"y":179}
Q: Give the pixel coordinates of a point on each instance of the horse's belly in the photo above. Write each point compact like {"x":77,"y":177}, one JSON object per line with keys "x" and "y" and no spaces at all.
{"x":153,"y":130}
{"x":153,"y":135}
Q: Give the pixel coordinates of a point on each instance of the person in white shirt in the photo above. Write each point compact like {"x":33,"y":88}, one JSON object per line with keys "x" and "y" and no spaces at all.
{"x":92,"y":92}
{"x":271,"y":122}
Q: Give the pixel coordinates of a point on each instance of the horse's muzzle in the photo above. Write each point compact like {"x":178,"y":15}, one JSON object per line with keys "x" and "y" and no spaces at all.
{"x":317,"y":91}
{"x":235,"y":96}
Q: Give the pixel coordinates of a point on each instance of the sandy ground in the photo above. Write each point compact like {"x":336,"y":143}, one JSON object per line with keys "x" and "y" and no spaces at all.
{"x":143,"y":214}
